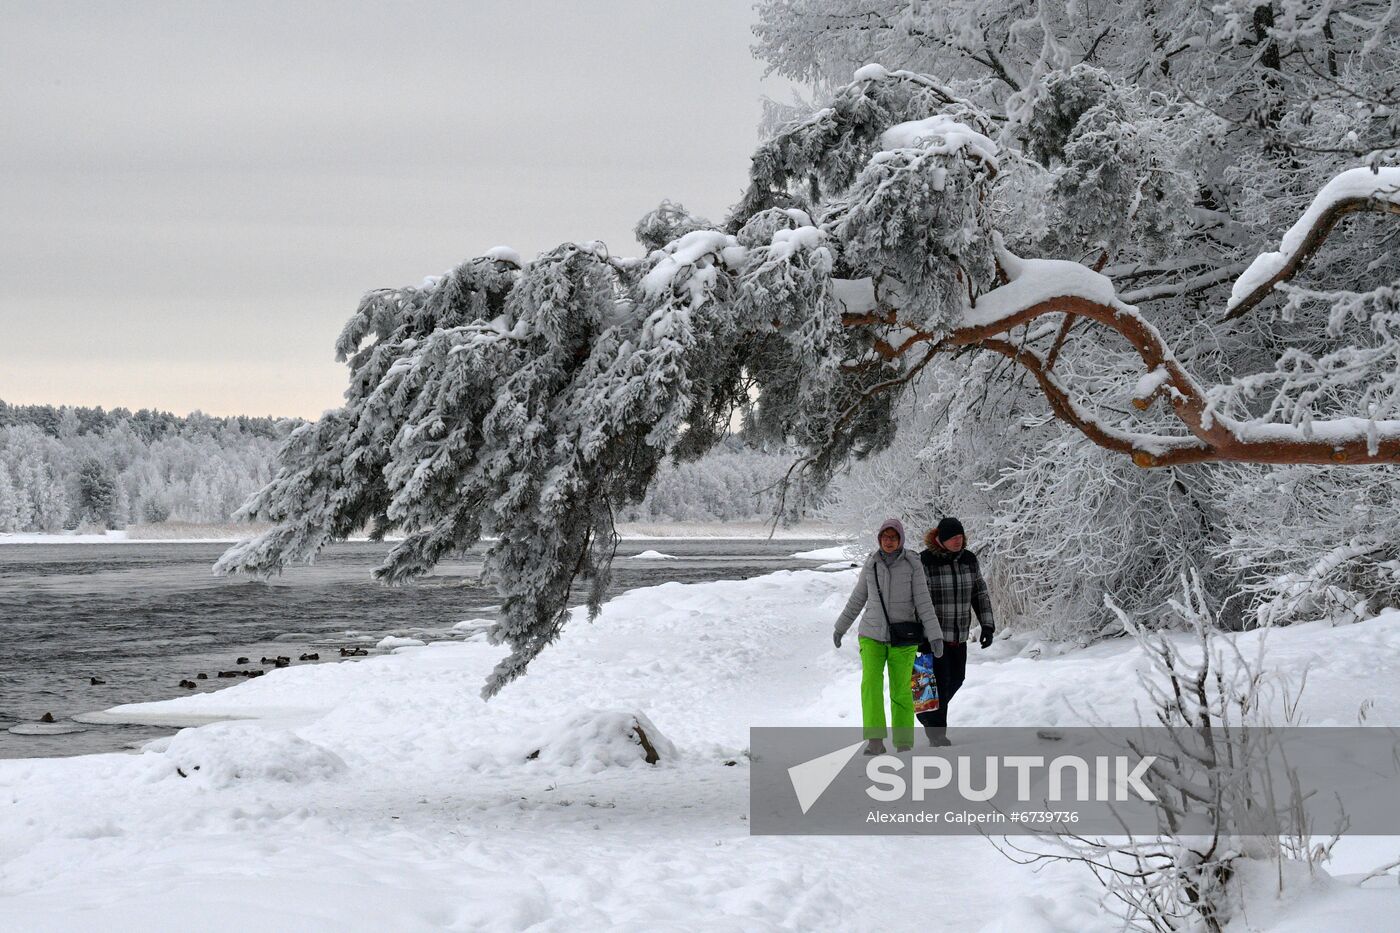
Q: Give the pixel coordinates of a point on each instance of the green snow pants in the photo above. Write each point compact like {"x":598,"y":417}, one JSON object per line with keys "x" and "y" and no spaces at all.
{"x":875,"y":656}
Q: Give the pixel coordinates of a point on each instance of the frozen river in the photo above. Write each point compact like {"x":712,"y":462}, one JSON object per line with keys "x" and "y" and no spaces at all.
{"x":143,"y":617}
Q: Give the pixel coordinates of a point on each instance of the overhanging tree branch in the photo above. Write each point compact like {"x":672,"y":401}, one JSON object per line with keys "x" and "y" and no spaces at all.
{"x":1213,"y":435}
{"x":1300,"y":245}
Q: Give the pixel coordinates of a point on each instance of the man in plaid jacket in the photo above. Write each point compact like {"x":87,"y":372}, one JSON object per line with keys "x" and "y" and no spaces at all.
{"x":957,"y":589}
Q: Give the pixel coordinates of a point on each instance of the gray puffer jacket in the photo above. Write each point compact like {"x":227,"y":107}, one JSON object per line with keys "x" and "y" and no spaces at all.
{"x":906,"y":593}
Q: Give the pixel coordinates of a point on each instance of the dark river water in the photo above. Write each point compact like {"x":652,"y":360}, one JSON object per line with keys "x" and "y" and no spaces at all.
{"x":142,"y":617}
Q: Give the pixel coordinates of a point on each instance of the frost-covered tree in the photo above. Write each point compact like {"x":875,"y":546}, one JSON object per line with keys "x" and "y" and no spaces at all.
{"x":97,"y":492}
{"x":9,"y":502}
{"x":725,"y":485}
{"x":113,"y":467}
{"x":1203,"y":132}
{"x":880,"y":235}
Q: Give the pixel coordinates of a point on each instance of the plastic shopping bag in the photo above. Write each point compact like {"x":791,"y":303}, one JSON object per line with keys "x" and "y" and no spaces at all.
{"x":924,"y":685}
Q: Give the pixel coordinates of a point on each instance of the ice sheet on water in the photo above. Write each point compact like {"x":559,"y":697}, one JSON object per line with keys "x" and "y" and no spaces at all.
{"x":397,"y":641}
{"x":824,"y":553}
{"x":47,"y":728}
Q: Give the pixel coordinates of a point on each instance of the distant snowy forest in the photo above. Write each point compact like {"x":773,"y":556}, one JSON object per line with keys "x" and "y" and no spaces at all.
{"x":63,"y":468}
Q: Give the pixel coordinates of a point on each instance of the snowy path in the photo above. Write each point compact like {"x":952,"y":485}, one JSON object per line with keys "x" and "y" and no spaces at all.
{"x":384,"y":795}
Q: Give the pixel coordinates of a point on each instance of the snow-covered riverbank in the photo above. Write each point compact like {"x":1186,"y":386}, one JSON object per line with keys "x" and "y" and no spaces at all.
{"x":385,"y":795}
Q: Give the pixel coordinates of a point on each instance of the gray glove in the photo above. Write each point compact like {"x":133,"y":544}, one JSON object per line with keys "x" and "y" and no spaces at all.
{"x":836,"y":637}
{"x":937,"y":647}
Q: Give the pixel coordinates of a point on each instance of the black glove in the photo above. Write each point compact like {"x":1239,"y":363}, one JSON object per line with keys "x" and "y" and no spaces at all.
{"x":986,"y":640}
{"x":836,"y":637}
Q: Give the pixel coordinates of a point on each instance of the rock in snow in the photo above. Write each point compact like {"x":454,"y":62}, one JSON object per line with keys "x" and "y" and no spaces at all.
{"x":592,"y":740}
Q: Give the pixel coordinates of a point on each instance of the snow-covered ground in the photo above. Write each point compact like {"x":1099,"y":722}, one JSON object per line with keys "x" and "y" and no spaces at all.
{"x":385,"y":795}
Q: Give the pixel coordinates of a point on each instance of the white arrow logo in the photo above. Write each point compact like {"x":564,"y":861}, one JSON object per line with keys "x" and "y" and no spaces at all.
{"x":811,"y":778}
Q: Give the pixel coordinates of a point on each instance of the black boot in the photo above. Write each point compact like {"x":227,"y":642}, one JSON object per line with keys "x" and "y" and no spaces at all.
{"x":937,"y":736}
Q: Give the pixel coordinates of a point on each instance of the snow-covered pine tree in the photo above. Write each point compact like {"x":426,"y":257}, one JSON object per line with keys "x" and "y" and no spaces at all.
{"x":877,"y":236}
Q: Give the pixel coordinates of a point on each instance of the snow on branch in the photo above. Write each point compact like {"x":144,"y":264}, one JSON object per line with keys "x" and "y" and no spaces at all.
{"x":939,"y":134}
{"x":1357,"y":189}
{"x":1037,"y":287}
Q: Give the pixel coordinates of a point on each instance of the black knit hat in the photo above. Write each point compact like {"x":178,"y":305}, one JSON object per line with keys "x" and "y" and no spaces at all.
{"x":949,"y":528}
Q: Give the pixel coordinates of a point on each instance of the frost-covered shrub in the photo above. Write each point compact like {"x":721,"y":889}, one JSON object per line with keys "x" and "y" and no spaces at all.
{"x":1227,"y":801}
{"x":1313,"y":544}
{"x":1078,"y":524}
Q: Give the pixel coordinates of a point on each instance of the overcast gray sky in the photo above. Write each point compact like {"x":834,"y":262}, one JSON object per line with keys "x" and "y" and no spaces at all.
{"x":195,"y":195}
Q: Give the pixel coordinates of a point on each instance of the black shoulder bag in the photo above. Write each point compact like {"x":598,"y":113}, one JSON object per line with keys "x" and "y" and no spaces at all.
{"x":902,"y":634}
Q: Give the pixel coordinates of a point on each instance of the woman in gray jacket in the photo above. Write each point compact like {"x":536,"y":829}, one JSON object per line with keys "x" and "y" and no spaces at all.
{"x":898,"y":614}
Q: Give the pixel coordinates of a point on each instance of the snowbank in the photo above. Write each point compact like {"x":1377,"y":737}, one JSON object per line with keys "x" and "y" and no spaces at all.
{"x":385,"y":794}
{"x":650,"y":555}
{"x":224,"y":753}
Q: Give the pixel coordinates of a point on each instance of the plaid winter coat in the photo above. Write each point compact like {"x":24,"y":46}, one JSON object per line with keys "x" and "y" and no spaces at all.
{"x":955,"y":584}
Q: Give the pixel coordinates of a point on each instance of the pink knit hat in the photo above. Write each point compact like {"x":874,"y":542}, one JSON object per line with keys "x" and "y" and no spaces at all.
{"x":894,"y":523}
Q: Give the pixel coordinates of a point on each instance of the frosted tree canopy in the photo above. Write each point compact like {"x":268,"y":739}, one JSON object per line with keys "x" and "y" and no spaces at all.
{"x":529,"y":402}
